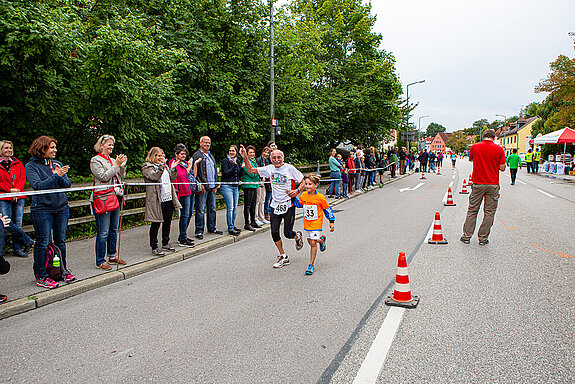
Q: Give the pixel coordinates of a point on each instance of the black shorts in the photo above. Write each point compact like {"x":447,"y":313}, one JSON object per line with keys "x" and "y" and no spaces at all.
{"x":289,"y":221}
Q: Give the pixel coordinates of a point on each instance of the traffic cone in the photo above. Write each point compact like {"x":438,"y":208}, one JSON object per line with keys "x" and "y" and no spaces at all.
{"x":402,"y":290}
{"x":449,"y":202}
{"x":423,"y":175}
{"x":438,"y":171}
{"x":437,"y":237}
{"x":464,"y":190}
{"x":470,"y":182}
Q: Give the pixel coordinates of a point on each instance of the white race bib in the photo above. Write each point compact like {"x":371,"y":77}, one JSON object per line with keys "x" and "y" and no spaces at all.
{"x":310,"y":212}
{"x":282,"y":208}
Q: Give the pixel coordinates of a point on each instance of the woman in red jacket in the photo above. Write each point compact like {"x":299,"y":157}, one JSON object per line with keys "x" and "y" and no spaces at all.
{"x":13,"y":179}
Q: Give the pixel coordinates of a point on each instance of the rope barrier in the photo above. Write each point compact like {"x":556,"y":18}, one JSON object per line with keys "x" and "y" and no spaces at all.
{"x":102,"y":187}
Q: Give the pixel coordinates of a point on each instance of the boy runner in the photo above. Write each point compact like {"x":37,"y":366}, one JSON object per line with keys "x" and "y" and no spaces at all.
{"x":284,"y":178}
{"x":315,"y":206}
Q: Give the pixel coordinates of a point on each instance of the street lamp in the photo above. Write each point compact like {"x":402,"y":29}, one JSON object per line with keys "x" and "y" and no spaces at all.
{"x":272,"y":75}
{"x":504,"y":117}
{"x":419,"y":129}
{"x":504,"y":120}
{"x":407,"y":125}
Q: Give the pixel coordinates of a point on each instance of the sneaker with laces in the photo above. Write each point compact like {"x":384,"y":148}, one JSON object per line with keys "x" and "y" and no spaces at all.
{"x":46,"y":282}
{"x":322,"y":240}
{"x":168,"y":247}
{"x":157,"y":252}
{"x":282,"y":262}
{"x":68,"y":277}
{"x":309,"y":270}
{"x":298,"y":240}
{"x":186,"y":243}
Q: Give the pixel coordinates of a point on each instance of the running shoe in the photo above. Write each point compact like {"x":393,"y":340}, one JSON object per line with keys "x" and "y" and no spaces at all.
{"x":157,"y":252}
{"x":282,"y":262}
{"x":68,"y":278}
{"x":46,"y":282}
{"x":322,"y":240}
{"x":309,"y":270}
{"x":298,"y":241}
{"x":3,"y":298}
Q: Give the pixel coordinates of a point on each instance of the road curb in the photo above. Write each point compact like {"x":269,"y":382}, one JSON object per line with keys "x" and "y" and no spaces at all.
{"x":18,"y":306}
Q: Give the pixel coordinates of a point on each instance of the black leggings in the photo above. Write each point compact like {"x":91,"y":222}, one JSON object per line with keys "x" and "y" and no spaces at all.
{"x":167,"y":210}
{"x":289,"y":220}
{"x":250,"y":198}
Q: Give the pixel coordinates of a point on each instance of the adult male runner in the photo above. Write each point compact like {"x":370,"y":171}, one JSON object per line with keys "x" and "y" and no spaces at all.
{"x":287,"y":182}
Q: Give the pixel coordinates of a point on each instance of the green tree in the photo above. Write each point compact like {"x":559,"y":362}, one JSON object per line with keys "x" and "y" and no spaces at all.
{"x":457,"y":142}
{"x":434,"y":128}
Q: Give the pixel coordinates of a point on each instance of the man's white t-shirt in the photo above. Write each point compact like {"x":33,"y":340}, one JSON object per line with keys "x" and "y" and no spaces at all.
{"x":282,"y":179}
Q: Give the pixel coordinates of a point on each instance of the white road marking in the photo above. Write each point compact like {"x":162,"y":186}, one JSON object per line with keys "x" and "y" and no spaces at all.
{"x":371,"y":366}
{"x":521,"y":182}
{"x":451,"y":184}
{"x":453,"y":177}
{"x":430,"y":232}
{"x":411,"y":189}
{"x":546,"y":194}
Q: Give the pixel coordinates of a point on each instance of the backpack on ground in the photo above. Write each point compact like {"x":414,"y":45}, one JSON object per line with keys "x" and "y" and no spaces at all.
{"x":55,"y":272}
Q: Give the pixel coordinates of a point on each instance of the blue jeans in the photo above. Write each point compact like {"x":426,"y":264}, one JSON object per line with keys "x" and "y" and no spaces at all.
{"x":44,"y":223}
{"x":267,"y":202}
{"x":334,"y":186}
{"x":185,"y":215}
{"x":231,"y":194}
{"x":107,"y":226}
{"x":202,"y":200}
{"x":344,"y":189}
{"x":372,"y":177}
{"x":15,"y":211}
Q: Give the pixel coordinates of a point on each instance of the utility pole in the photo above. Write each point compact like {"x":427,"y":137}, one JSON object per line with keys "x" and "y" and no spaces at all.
{"x":272,"y":90}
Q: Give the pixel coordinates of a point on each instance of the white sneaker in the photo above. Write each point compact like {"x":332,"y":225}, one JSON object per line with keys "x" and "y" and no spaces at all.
{"x":266,"y":221}
{"x":260,"y":223}
{"x":282,"y":261}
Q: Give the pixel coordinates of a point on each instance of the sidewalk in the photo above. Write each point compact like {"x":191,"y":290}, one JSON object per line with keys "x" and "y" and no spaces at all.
{"x":19,"y":284}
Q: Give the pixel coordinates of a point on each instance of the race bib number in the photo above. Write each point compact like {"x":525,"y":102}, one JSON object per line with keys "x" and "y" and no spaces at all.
{"x":282,"y":208}
{"x":310,"y":212}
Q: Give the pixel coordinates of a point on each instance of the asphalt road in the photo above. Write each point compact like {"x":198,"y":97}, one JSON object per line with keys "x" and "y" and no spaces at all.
{"x":499,"y":313}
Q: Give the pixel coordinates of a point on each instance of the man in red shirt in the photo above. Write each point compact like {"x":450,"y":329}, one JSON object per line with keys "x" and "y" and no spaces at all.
{"x":488,"y":159}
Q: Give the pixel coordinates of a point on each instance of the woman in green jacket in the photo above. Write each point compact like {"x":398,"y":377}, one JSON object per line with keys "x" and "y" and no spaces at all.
{"x":250,"y":191}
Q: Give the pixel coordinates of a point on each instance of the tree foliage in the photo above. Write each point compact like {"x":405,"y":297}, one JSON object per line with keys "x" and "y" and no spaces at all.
{"x":558,"y":109}
{"x":154,"y":73}
{"x":457,"y":142}
{"x":434,"y":128}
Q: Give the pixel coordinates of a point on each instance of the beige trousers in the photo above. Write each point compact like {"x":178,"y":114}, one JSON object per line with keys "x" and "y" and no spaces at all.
{"x":260,"y":200}
{"x":489,"y":195}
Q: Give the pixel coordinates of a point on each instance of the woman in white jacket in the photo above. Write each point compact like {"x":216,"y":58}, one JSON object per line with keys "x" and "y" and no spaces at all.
{"x":108,"y":172}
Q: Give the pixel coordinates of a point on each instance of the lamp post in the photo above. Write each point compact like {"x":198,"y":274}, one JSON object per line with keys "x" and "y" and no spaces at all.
{"x":504,"y":120}
{"x":419,"y":129}
{"x":407,"y":124}
{"x":272,"y":90}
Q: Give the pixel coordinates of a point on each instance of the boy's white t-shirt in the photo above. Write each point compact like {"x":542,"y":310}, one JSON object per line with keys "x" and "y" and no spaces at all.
{"x":282,"y":179}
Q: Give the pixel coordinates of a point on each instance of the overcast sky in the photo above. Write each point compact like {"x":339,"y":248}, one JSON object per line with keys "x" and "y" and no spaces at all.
{"x":478,"y":58}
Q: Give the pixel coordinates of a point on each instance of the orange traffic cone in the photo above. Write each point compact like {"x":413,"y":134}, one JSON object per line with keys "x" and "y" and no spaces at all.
{"x":437,"y":237}
{"x":402,"y":290}
{"x":438,"y":171}
{"x":449,"y":202}
{"x":464,"y":190}
{"x":423,"y":175}
{"x":470,"y":182}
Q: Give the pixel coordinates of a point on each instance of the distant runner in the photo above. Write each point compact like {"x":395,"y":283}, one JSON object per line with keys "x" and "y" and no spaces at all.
{"x":284,"y":178}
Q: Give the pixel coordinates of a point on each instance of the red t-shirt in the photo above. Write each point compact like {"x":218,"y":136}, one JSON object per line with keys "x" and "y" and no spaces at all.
{"x":487,"y":157}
